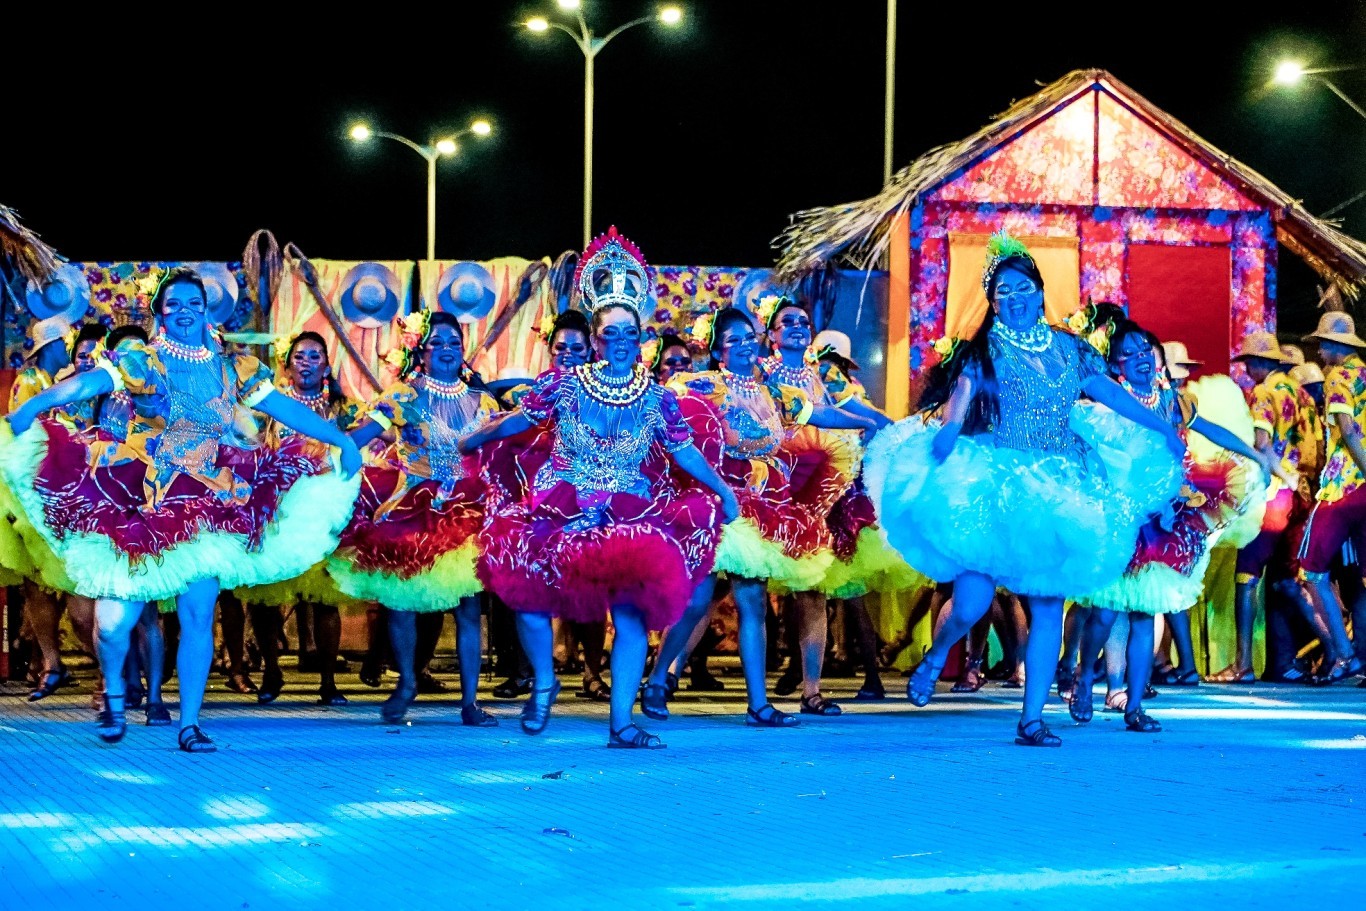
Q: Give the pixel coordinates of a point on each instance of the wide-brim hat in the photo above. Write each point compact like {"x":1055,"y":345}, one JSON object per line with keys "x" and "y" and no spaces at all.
{"x":835,"y":341}
{"x":510,"y":377}
{"x":44,"y":332}
{"x":221,"y":291}
{"x":1292,"y":355}
{"x":65,"y":294}
{"x":1337,"y":327}
{"x":370,"y":295}
{"x":467,"y":291}
{"x":1306,"y":373}
{"x":1262,"y":345}
{"x":1176,"y":353}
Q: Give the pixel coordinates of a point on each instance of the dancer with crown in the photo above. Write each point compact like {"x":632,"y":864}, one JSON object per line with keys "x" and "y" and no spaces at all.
{"x":188,"y":503}
{"x":1002,"y":464}
{"x":602,"y":527}
{"x":412,"y":543}
{"x":744,"y":422}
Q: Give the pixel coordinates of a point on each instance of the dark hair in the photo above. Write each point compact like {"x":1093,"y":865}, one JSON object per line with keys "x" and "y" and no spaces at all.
{"x":174,"y":276}
{"x":724,"y":319}
{"x":974,"y":357}
{"x":89,"y":332}
{"x":569,"y":321}
{"x":120,"y":333}
{"x":666,"y":341}
{"x":784,"y":303}
{"x":334,"y":393}
{"x":599,"y":313}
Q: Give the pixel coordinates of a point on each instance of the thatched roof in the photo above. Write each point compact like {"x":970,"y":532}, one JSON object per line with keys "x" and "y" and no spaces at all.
{"x":21,"y":251}
{"x":859,"y":232}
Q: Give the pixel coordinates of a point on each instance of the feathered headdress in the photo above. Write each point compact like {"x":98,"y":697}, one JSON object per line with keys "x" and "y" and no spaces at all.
{"x":1001,"y":247}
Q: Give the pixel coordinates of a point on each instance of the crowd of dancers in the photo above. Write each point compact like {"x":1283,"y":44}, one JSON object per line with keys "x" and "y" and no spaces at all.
{"x":1044,"y":467}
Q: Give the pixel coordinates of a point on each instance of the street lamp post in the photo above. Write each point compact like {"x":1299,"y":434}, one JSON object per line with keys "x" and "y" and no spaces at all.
{"x":1289,"y":72}
{"x":591,"y":44}
{"x":437,"y":148}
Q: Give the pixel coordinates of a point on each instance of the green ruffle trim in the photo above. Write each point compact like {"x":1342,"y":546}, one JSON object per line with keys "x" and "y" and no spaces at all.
{"x":874,"y":567}
{"x":311,"y":514}
{"x":314,"y":587}
{"x":451,"y":578}
{"x":745,"y":552}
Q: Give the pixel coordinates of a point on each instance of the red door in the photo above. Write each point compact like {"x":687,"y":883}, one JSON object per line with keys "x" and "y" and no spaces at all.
{"x":1185,"y":294}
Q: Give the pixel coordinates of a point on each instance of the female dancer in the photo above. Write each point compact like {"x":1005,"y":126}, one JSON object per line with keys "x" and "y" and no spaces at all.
{"x":603,"y":526}
{"x":411,"y":544}
{"x":744,"y":421}
{"x":1167,"y":570}
{"x":188,"y":503}
{"x":991,"y":474}
{"x":307,"y":380}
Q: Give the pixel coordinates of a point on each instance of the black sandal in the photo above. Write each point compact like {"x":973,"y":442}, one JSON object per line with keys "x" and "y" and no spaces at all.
{"x":1186,"y":678}
{"x":920,"y":688}
{"x":193,"y":740}
{"x":332,"y":697}
{"x":870,"y":692}
{"x":1141,"y":722}
{"x":536,"y":712}
{"x":972,"y":678}
{"x":817,"y":704}
{"x":112,"y":723}
{"x":1081,"y":704}
{"x":1036,"y":734}
{"x":766,"y":716}
{"x":52,"y":682}
{"x":474,"y":716}
{"x":654,"y":701}
{"x":639,"y":740}
{"x":157,"y":714}
{"x":595,"y":689}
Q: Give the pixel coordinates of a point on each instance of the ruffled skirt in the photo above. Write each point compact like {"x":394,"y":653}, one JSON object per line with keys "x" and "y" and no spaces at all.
{"x":91,"y":531}
{"x":420,"y":555}
{"x":1050,"y":524}
{"x":540,"y":552}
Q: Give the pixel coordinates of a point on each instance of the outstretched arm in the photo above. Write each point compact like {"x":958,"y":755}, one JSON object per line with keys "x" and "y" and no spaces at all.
{"x":863,"y":409}
{"x":1112,"y":395}
{"x":955,"y":413}
{"x":833,"y":418}
{"x":77,"y":388}
{"x":693,"y":462}
{"x":1225,"y":438}
{"x":301,"y":418}
{"x":510,"y":424}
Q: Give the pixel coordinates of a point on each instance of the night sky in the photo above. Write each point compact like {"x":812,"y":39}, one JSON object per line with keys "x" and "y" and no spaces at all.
{"x":128,"y":143}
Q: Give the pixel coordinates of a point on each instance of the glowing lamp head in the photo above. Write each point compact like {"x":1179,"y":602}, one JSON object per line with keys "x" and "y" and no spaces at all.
{"x":538,"y":24}
{"x":360,"y":132}
{"x":481,"y":128}
{"x":671,"y":15}
{"x":447,"y":147}
{"x":1288,"y":72}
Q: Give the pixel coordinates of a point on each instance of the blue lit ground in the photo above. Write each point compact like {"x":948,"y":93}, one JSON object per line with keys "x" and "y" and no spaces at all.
{"x":1252,"y":798}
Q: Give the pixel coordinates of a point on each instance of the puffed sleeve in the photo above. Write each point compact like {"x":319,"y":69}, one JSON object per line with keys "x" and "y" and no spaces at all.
{"x":673,"y":434}
{"x":837,"y":386}
{"x":254,"y":379}
{"x":390,"y":409}
{"x":488,"y":407}
{"x":27,"y":384}
{"x":794,"y":405}
{"x":539,"y":402}
{"x":134,"y":367}
{"x":350,"y":414}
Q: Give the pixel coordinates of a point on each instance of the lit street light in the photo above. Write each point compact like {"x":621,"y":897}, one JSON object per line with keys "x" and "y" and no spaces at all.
{"x":1290,"y":72}
{"x":446,"y":145}
{"x":590,"y":44}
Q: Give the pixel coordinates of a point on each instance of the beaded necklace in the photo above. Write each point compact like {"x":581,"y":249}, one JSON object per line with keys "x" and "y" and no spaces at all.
{"x":1147,"y":400}
{"x":184,"y":352}
{"x":1035,"y":339}
{"x":314,"y":402}
{"x":614,"y":390}
{"x":747,"y":387}
{"x":442,"y":390}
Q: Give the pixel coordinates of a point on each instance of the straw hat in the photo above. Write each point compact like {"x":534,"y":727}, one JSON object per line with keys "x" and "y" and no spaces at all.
{"x":1337,"y":327}
{"x":1292,"y":355}
{"x":837,"y":342}
{"x":1262,"y":345}
{"x":1178,"y":359}
{"x":370,"y":294}
{"x":45,"y":331}
{"x":467,"y":291}
{"x":65,"y":294}
{"x":1306,"y":373}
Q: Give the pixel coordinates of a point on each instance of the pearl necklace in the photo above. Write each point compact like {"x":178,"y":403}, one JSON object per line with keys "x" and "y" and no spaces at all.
{"x":184,"y":352}
{"x":613,"y":390}
{"x":1035,"y":339}
{"x":745,"y":386}
{"x":314,"y":402}
{"x":441,"y":390}
{"x":787,"y":376}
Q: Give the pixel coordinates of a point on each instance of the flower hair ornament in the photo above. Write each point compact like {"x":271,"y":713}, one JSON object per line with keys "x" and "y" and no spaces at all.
{"x":1001,"y":247}
{"x":947,"y":347}
{"x":612,"y":272}
{"x":547,"y":327}
{"x":702,"y":328}
{"x":413,"y":331}
{"x":1096,"y":323}
{"x":649,"y":352}
{"x":149,"y":284}
{"x":769,"y":305}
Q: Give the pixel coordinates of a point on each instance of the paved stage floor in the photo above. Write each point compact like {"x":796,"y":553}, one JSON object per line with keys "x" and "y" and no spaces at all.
{"x":1253,"y":797}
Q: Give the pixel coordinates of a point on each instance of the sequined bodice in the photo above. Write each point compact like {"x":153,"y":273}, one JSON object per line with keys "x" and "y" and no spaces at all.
{"x":754,"y":426}
{"x":1036,"y":403}
{"x":198,"y":410}
{"x":444,"y":420}
{"x":606,"y":460}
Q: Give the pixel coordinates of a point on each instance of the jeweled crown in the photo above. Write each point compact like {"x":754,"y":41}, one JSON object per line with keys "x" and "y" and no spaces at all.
{"x":612,"y":271}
